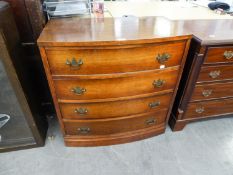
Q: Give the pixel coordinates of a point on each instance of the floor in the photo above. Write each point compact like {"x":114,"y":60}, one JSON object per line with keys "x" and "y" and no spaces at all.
{"x":202,"y":148}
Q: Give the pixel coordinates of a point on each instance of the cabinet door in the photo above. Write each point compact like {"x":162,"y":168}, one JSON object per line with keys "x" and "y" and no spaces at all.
{"x":14,"y":130}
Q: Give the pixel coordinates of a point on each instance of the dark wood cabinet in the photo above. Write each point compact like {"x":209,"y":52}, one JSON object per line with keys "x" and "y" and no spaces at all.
{"x":207,"y":83}
{"x":22,"y":121}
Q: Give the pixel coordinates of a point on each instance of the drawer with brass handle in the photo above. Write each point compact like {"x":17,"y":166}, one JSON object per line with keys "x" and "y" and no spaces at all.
{"x":115,"y":125}
{"x":115,"y":108}
{"x":211,"y":91}
{"x":71,"y":61}
{"x":215,"y":73}
{"x":217,"y":55}
{"x":209,"y":108}
{"x":130,"y":85}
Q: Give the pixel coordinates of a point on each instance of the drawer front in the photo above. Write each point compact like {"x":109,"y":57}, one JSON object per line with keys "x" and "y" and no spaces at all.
{"x":209,"y":108}
{"x":115,"y":109}
{"x":114,"y":126}
{"x":216,"y":90}
{"x":219,"y":55}
{"x":215,"y":73}
{"x":104,"y":61}
{"x":133,"y":84}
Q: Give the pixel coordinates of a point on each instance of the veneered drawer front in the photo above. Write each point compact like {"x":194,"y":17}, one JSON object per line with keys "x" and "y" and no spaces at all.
{"x":215,"y":73}
{"x":116,"y":108}
{"x":219,"y":55}
{"x":209,"y":108}
{"x":115,"y":125}
{"x":105,"y":61}
{"x":131,"y":85}
{"x":209,"y":91}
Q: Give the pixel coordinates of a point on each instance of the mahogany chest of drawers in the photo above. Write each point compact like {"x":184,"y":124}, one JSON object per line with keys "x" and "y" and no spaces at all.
{"x":107,"y":91}
{"x":207,"y":89}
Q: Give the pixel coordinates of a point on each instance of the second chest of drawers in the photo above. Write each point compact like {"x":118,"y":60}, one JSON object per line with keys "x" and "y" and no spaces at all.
{"x":208,"y":88}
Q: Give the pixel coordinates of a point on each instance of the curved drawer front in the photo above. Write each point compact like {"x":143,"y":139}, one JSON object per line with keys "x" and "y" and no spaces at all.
{"x":134,"y":84}
{"x":209,"y":108}
{"x":116,"y":108}
{"x":209,"y":91}
{"x":68,"y":61}
{"x":215,"y":73}
{"x":219,"y":55}
{"x":116,"y":125}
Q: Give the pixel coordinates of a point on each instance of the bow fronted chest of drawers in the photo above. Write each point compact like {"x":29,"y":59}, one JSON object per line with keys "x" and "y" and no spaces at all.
{"x":111,"y":84}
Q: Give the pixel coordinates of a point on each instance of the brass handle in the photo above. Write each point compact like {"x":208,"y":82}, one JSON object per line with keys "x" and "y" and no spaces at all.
{"x":207,"y":93}
{"x":81,"y":111}
{"x":162,"y":58}
{"x":215,"y":74}
{"x":74,"y":63}
{"x":228,"y":55}
{"x":78,"y":90}
{"x":151,"y":121}
{"x":158,"y":83}
{"x":84,"y":130}
{"x":200,"y":110}
{"x":154,"y":104}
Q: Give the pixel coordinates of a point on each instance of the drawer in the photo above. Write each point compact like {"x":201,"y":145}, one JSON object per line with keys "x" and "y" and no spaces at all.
{"x":115,"y":125}
{"x":209,"y":108}
{"x":116,"y":108}
{"x":215,"y":73}
{"x":209,"y":91}
{"x":219,"y":55}
{"x":130,"y":85}
{"x":68,"y":61}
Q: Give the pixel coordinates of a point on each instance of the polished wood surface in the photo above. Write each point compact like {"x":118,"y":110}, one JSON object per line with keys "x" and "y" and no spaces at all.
{"x":212,"y":91}
{"x":209,"y":108}
{"x":110,"y":31}
{"x":215,"y":55}
{"x":107,"y":87}
{"x":114,"y":109}
{"x":132,"y":30}
{"x":116,"y":125}
{"x":219,"y":72}
{"x":112,"y":60}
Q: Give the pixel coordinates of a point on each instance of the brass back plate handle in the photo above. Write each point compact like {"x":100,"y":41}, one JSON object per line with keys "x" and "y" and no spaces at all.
{"x":162,"y":58}
{"x":73,"y":63}
{"x":228,"y":55}
{"x":78,"y":90}
{"x":84,"y":130}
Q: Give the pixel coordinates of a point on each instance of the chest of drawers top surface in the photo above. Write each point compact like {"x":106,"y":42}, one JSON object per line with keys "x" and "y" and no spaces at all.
{"x":131,"y":30}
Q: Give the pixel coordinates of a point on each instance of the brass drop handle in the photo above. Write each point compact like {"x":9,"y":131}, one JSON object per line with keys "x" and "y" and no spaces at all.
{"x":78,"y":90}
{"x":158,"y":83}
{"x":81,"y":111}
{"x":74,"y":63}
{"x":207,"y":93}
{"x":215,"y":74}
{"x":151,"y":121}
{"x":200,"y":109}
{"x":162,"y":58}
{"x":154,"y":104}
{"x":228,"y":55}
{"x":84,"y":130}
